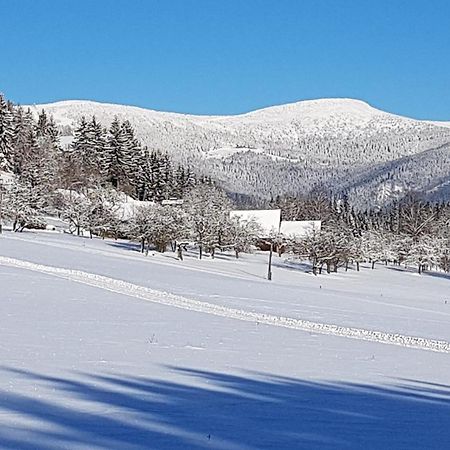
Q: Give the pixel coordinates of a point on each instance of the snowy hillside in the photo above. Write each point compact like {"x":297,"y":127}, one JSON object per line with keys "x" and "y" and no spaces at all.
{"x":427,"y":171}
{"x":282,"y":149}
{"x":104,"y":348}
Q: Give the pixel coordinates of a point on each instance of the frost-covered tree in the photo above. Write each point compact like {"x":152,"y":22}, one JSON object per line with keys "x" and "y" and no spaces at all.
{"x":104,"y":211}
{"x":95,"y":210}
{"x":23,"y":205}
{"x":374,"y":246}
{"x":329,"y":248}
{"x":158,"y":225}
{"x":208,"y":209}
{"x":167,"y":225}
{"x":423,"y":253}
{"x":242,"y":235}
{"x":417,"y":218}
{"x":75,"y":210}
{"x":138,"y":227}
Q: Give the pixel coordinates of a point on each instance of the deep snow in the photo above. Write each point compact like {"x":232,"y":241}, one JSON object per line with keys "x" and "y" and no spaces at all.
{"x":84,"y":367}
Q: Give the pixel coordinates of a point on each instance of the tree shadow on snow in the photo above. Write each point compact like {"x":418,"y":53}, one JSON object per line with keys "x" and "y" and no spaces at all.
{"x":445,"y":276}
{"x":296,"y":266}
{"x":426,"y":273}
{"x":218,"y":411}
{"x":131,"y":246}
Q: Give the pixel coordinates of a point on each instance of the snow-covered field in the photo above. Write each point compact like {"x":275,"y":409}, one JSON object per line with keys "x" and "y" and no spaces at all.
{"x":102,"y":347}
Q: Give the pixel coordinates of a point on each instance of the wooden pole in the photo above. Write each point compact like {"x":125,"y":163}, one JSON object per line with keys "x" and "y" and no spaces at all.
{"x":1,"y":208}
{"x":269,"y":270}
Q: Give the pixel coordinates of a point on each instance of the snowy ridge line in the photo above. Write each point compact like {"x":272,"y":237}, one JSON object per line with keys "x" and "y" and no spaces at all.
{"x":168,"y":299}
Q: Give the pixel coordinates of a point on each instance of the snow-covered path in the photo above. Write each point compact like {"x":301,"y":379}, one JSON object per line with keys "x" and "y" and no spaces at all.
{"x":144,"y":293}
{"x":372,"y":300}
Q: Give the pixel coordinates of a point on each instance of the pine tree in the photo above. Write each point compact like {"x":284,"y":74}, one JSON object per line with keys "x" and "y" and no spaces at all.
{"x":131,"y":156}
{"x":6,"y":135}
{"x":97,"y":143}
{"x":120,"y":160}
{"x":143,"y":176}
{"x":42,"y":125}
{"x":80,"y":152}
{"x":23,"y":141}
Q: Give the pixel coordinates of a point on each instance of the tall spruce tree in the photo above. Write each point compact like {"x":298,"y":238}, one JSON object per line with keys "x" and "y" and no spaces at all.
{"x":132,"y":154}
{"x":87,"y":152}
{"x":23,"y":141}
{"x":119,"y":157}
{"x":6,"y":135}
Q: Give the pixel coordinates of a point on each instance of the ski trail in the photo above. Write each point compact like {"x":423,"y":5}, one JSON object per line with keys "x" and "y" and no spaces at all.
{"x":235,"y":275}
{"x":168,"y":299}
{"x":140,"y":258}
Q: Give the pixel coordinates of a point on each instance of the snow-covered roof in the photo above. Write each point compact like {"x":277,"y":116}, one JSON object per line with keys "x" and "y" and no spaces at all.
{"x":127,"y":206}
{"x":6,"y":178}
{"x":124,"y":205}
{"x":268,"y":219}
{"x":299,"y":228}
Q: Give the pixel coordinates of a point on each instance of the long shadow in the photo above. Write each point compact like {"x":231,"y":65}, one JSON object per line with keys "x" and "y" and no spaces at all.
{"x":219,"y":411}
{"x":296,"y":266}
{"x":445,"y":276}
{"x":131,"y":246}
{"x":431,"y":273}
{"x":136,"y":247}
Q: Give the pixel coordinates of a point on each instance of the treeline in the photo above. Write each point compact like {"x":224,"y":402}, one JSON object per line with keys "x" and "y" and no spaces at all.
{"x":99,"y":156}
{"x":412,"y":232}
{"x":87,"y":183}
{"x":36,"y":168}
{"x":202,"y":219}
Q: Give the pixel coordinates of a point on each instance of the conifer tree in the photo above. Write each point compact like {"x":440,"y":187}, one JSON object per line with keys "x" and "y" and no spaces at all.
{"x":6,"y":135}
{"x":119,"y":156}
{"x":79,"y":152}
{"x":23,"y":141}
{"x":96,"y":141}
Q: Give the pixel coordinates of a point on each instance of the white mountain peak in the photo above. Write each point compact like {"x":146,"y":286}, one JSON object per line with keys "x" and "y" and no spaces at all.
{"x":318,"y":107}
{"x":330,"y":142}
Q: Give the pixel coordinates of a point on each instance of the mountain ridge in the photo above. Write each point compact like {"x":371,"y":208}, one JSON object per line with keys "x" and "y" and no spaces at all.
{"x":283,"y":149}
{"x":275,"y":108}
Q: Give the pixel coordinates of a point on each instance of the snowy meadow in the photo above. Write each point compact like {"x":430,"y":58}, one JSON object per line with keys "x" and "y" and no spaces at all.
{"x":104,"y":347}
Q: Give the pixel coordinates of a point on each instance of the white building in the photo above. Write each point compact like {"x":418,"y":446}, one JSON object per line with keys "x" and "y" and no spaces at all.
{"x":268,"y":219}
{"x":271,"y":223}
{"x":299,"y":228}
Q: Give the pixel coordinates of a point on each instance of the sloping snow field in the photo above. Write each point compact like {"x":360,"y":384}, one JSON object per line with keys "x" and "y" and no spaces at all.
{"x":102,"y":347}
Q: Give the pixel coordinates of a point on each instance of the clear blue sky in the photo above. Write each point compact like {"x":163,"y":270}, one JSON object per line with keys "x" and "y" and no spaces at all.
{"x":228,"y":56}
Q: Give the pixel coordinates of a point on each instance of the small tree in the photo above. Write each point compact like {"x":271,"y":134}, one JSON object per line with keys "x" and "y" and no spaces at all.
{"x":241,"y":235}
{"x":23,"y":205}
{"x":207,"y":208}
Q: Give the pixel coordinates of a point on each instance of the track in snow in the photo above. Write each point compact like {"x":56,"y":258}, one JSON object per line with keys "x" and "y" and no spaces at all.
{"x":168,"y":299}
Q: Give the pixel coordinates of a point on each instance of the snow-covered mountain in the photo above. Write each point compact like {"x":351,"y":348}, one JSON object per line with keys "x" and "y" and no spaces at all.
{"x":335,"y":144}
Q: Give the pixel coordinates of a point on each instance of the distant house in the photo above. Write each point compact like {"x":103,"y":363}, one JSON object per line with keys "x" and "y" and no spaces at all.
{"x":299,"y":228}
{"x":271,"y":223}
{"x":268,"y":219}
{"x":172,"y":201}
